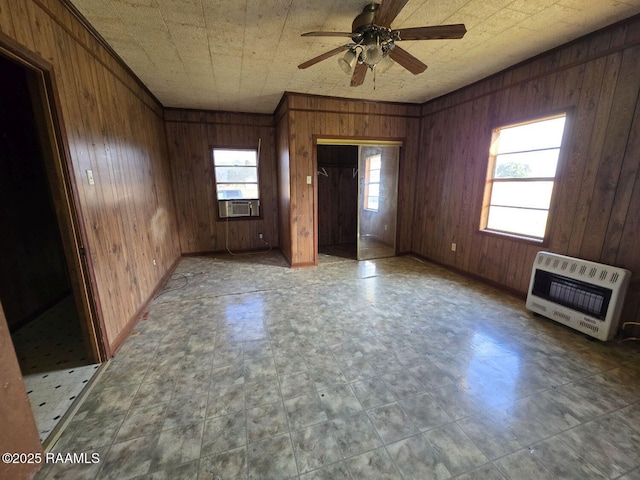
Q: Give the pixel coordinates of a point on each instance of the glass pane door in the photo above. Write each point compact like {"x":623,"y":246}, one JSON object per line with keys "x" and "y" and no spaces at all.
{"x":377,"y":201}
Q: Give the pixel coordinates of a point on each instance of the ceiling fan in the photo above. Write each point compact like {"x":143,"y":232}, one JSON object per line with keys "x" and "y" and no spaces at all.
{"x":373,"y":41}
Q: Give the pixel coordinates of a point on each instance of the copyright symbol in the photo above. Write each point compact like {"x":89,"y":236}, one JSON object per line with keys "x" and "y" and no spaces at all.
{"x":6,"y":458}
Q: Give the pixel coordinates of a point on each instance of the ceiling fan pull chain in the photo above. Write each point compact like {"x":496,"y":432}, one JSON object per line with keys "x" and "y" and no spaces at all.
{"x":374,"y":77}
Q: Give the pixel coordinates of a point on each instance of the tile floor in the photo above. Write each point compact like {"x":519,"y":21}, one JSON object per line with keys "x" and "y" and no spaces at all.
{"x":368,"y":249}
{"x":387,"y":369}
{"x":54,"y":363}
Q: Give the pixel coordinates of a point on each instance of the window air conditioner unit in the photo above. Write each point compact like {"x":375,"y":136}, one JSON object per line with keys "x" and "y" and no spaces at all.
{"x":583,"y":295}
{"x":238,"y":208}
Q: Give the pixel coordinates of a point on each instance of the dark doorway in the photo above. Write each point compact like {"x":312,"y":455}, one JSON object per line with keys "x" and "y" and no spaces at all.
{"x":35,"y":287}
{"x":337,"y":201}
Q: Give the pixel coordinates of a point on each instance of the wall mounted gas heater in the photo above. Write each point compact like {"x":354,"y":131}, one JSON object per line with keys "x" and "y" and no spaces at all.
{"x":583,"y":295}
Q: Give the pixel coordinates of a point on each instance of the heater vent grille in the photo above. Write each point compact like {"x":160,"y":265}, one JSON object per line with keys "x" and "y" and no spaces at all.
{"x":584,"y":295}
{"x":583,"y":268}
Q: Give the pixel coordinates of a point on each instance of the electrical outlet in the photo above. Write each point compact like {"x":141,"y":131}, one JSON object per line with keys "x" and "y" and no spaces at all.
{"x":260,"y":235}
{"x":454,"y":247}
{"x":154,"y":262}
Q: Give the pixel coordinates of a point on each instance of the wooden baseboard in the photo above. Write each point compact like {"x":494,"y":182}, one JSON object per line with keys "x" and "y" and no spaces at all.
{"x":223,"y":252}
{"x":126,"y":331}
{"x":303,"y":264}
{"x":473,"y":276}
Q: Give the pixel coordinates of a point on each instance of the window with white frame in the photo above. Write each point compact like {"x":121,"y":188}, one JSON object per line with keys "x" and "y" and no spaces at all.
{"x":372,"y":182}
{"x":523,"y":162}
{"x":236,"y":173}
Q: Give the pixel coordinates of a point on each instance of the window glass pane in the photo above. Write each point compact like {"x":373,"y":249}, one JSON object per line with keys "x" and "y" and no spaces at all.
{"x":530,"y":223}
{"x":531,"y":136}
{"x":519,"y":153}
{"x":541,"y":163}
{"x":235,"y":158}
{"x":236,"y":174}
{"x":237,"y":191}
{"x":374,"y":176}
{"x":374,"y":189}
{"x":372,"y":203}
{"x":375,"y":162}
{"x":522,"y":194}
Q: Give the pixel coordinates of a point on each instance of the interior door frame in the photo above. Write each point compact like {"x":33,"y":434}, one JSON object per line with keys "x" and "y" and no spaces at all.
{"x":46,"y":105}
{"x":356,"y":141}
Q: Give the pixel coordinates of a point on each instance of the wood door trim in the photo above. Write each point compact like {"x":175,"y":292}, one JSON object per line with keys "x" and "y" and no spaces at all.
{"x":46,"y":104}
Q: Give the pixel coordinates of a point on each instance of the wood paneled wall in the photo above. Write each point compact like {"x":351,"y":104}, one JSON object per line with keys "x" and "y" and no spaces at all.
{"x":596,"y":209}
{"x":302,"y":119}
{"x":191,"y":135}
{"x":113,"y":126}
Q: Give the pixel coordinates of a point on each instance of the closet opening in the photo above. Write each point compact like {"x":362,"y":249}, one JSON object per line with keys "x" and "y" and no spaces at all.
{"x":357,"y":198}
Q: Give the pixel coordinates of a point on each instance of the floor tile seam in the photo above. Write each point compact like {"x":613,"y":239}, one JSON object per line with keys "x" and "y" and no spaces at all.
{"x":437,"y":449}
{"x":502,"y":471}
{"x":103,"y":464}
{"x":342,"y":460}
{"x":383,"y":444}
{"x":599,"y":374}
{"x":420,"y":430}
{"x":413,"y":423}
{"x":571,"y":382}
{"x":500,"y":426}
{"x":624,"y":418}
{"x":103,"y":461}
{"x":318,"y":282}
{"x":113,"y":440}
{"x":529,"y":446}
{"x":606,"y":414}
{"x":504,"y":417}
{"x":543,"y":465}
{"x":489,"y":463}
{"x":578,"y":454}
{"x":284,"y":410}
{"x":158,"y":430}
{"x":347,"y":457}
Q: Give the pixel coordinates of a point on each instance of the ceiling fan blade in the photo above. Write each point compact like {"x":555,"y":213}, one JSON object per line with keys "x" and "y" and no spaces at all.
{"x":407,"y":60}
{"x":327,"y":34}
{"x":324,"y":56}
{"x":359,"y":73}
{"x":388,"y":11}
{"x":432,"y":33}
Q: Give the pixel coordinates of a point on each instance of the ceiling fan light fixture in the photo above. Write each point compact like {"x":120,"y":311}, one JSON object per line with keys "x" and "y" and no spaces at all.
{"x":372,"y":51}
{"x":373,"y":41}
{"x":372,"y":54}
{"x":385,"y":64}
{"x":348,"y":62}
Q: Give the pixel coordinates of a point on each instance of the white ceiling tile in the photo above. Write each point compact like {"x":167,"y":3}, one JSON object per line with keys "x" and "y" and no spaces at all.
{"x":242,"y":55}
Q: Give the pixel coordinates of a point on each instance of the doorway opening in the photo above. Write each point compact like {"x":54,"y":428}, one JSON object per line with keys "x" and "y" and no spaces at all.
{"x":337,"y":201}
{"x":49,"y":327}
{"x":357,"y":199}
